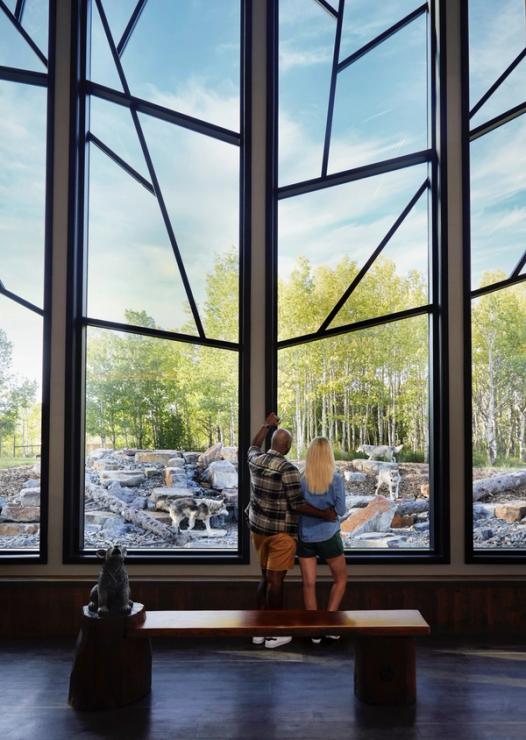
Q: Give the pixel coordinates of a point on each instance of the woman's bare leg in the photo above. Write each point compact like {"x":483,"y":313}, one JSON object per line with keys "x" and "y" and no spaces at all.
{"x":308,"y":573}
{"x":338,"y":568}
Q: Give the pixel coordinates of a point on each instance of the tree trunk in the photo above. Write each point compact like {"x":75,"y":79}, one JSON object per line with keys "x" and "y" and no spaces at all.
{"x":499,"y":483}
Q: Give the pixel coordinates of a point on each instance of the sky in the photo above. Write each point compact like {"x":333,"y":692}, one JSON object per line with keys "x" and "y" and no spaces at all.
{"x":192,"y":66}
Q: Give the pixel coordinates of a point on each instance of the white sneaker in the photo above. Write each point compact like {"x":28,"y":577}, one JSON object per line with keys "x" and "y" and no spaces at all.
{"x":316,"y":640}
{"x":258,"y":641}
{"x":274,"y":642}
{"x":333,"y":637}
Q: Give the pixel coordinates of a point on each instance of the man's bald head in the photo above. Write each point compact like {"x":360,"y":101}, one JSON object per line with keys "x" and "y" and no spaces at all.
{"x":281,"y":441}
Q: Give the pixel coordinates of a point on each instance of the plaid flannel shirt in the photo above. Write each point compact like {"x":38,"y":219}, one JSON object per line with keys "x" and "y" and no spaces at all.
{"x":275,"y":493}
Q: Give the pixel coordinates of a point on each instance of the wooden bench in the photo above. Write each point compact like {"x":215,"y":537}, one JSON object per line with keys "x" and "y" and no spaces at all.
{"x":113,"y":662}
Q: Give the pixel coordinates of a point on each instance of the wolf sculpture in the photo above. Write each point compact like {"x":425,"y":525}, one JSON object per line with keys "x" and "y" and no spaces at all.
{"x":111,"y":593}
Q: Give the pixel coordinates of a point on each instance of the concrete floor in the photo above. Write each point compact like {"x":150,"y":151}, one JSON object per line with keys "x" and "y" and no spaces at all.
{"x":228,"y":689}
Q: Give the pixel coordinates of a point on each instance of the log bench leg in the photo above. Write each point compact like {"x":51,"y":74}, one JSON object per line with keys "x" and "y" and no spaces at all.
{"x":110,"y":670}
{"x":385,"y":670}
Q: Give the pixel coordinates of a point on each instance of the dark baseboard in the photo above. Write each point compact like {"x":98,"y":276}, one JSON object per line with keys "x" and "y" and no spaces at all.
{"x":459,"y":608}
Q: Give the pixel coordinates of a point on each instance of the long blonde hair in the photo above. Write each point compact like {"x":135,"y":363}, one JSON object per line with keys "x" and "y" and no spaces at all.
{"x":319,"y":465}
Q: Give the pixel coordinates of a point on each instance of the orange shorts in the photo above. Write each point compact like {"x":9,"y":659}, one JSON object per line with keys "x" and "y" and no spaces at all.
{"x":275,"y":551}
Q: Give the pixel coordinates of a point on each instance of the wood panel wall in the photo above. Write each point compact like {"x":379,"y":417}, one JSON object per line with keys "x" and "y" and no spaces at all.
{"x":496,"y":608}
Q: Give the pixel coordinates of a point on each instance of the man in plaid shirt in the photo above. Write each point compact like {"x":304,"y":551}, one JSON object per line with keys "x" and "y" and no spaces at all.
{"x":276,"y":501}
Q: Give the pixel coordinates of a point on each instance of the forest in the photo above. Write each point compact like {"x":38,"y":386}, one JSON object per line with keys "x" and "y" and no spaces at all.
{"x":368,"y":386}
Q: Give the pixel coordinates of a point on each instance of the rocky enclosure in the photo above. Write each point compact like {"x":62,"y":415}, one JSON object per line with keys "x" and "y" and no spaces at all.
{"x":129,"y":493}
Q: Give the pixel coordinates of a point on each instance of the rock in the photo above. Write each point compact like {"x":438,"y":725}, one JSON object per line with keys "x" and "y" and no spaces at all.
{"x":483,"y":511}
{"x":486,"y":533}
{"x":402,"y":520}
{"x":211,"y":455}
{"x":191,"y":458}
{"x":36,"y":469}
{"x":231,"y":454}
{"x":32,"y":483}
{"x":222,"y":474}
{"x":116,"y":527}
{"x":176,"y":462}
{"x":421,"y":526}
{"x":98,"y":517}
{"x":424,"y":490}
{"x":351,"y":476}
{"x":19,"y":513}
{"x":152,"y":472}
{"x":175,"y":478}
{"x":158,"y":457}
{"x":98,"y":454}
{"x":160,"y":492}
{"x":412,"y":506}
{"x":511,"y":511}
{"x":128,"y":477}
{"x":30,"y":496}
{"x":358,"y":502}
{"x":15,"y":529}
{"x":376,"y":540}
{"x":2,"y":503}
{"x":104,"y":464}
{"x":124,"y":494}
{"x":375,"y":517}
{"x":371,"y":467}
{"x":140,"y":502}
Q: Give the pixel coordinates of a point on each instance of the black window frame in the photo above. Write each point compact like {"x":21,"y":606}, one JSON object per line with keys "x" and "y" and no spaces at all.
{"x":40,"y":79}
{"x":76,"y":322}
{"x":479,"y":555}
{"x":439,"y":551}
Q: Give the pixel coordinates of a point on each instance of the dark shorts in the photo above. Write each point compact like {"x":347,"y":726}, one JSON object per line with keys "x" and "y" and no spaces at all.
{"x":325,"y":550}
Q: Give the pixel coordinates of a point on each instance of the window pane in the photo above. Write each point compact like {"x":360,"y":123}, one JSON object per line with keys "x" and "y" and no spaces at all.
{"x":118,"y":13}
{"x":151,"y":406}
{"x":363,"y":20}
{"x":306,"y":45}
{"x":497,"y":34}
{"x":102,"y":67}
{"x":35,"y":21}
{"x":185,"y":56}
{"x":367,"y":388}
{"x":499,"y":419}
{"x":325,"y":237}
{"x":498,"y":202}
{"x":380,"y":109}
{"x":14,"y":49}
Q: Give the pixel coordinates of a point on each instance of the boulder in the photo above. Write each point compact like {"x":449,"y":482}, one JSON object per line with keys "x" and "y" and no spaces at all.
{"x":402,"y":520}
{"x":377,"y":540}
{"x":15,"y":529}
{"x":511,"y":511}
{"x":191,"y":458}
{"x":424,"y":490}
{"x":483,"y":511}
{"x":157,"y":457}
{"x":32,"y":483}
{"x":30,"y":496}
{"x":210,"y":455}
{"x":98,"y":454}
{"x":97,"y":517}
{"x":231,"y":454}
{"x":163,"y":491}
{"x":175,"y":478}
{"x":357,"y":502}
{"x":222,"y":474}
{"x":128,"y":477}
{"x":115,"y":527}
{"x":375,"y":517}
{"x":412,"y":506}
{"x":176,"y":462}
{"x":18,"y":513}
{"x":152,"y":472}
{"x":105,"y":464}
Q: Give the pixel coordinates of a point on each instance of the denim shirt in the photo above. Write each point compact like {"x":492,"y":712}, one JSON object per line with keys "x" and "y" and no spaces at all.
{"x":312,"y":529}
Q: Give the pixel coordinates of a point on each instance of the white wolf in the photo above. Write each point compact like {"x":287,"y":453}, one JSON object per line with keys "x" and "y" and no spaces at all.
{"x":390,"y":477}
{"x":193,"y":509}
{"x":373,"y":452}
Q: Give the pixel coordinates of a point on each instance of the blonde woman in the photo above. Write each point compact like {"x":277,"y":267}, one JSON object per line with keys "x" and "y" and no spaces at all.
{"x":322,"y":488}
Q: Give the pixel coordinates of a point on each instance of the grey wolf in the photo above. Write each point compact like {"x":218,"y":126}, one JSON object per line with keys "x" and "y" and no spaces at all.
{"x":111,"y":593}
{"x":389,"y":477}
{"x":201,"y":509}
{"x":374,"y":452}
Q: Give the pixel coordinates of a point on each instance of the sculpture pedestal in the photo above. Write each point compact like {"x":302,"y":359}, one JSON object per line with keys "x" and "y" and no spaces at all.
{"x":385,"y":670}
{"x":110,"y":669}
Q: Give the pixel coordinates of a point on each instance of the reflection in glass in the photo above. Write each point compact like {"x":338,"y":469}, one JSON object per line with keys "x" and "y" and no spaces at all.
{"x":133,"y":276}
{"x":499,"y":416}
{"x":199,"y":179}
{"x":20,"y":426}
{"x":380,"y":108}
{"x":306,"y":42}
{"x":152,"y":395}
{"x":326,"y":236}
{"x":498,"y":200}
{"x":368,"y":387}
{"x":193,"y":67}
